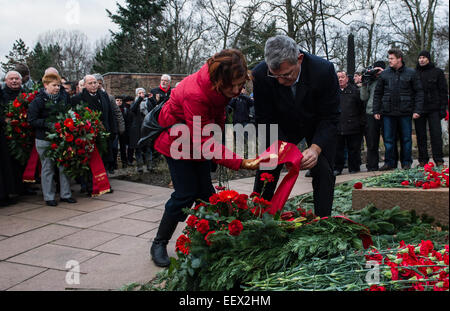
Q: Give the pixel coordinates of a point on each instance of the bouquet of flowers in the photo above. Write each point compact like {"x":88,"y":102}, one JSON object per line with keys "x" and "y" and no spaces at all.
{"x":19,"y":134}
{"x":74,"y":137}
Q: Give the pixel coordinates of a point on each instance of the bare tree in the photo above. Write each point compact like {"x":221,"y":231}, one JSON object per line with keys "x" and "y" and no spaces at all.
{"x":76,"y":54}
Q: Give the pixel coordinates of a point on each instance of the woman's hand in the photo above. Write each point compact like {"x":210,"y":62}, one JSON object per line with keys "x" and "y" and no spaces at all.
{"x":250,"y":164}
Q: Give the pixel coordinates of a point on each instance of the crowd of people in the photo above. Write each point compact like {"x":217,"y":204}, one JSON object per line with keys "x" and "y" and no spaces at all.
{"x":310,"y":102}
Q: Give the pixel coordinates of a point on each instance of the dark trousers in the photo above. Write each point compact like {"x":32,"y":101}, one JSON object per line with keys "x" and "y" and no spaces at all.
{"x":123,"y":144}
{"x":434,"y":123}
{"x":191,"y":181}
{"x":372,"y":134}
{"x":353,"y":144}
{"x":323,"y":181}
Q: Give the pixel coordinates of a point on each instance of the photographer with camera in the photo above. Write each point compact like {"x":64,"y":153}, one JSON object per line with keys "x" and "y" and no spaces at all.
{"x":372,"y":133}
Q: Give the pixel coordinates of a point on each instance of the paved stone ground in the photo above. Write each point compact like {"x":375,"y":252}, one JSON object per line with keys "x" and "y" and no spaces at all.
{"x":109,"y":236}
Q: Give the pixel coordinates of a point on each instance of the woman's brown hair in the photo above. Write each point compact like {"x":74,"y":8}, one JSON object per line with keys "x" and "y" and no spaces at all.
{"x":51,"y":77}
{"x":226,"y":66}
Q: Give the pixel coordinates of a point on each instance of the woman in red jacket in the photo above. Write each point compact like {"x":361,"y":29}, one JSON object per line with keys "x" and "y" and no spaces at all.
{"x":203,"y":94}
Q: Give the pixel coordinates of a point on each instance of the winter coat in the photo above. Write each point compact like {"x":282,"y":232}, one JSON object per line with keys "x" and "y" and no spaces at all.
{"x":7,"y":95}
{"x":120,"y":122}
{"x":137,"y":117}
{"x":241,"y":109}
{"x":353,"y":116}
{"x":195,"y":97}
{"x":42,"y":112}
{"x":398,"y":93}
{"x":163,"y":95}
{"x":107,"y":116}
{"x":434,"y":88}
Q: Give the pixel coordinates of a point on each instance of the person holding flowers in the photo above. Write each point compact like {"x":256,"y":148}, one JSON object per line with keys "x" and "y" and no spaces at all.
{"x":204,"y":94}
{"x":42,"y":110}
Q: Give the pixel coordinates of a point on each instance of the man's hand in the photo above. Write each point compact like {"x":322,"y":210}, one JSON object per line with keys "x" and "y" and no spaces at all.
{"x":310,"y":157}
{"x":377,"y":116}
{"x":416,"y":116}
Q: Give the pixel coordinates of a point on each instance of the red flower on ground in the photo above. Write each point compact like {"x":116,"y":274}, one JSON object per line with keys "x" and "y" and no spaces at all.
{"x":358,"y":185}
{"x":235,"y":227}
{"x":267,"y":177}
{"x":203,"y":226}
{"x":376,"y":288}
{"x":182,"y":244}
{"x":288,"y":216}
{"x":405,"y":183}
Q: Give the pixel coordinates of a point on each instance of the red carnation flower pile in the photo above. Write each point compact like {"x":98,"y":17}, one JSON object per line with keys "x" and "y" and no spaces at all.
{"x":431,"y":178}
{"x":413,"y":267}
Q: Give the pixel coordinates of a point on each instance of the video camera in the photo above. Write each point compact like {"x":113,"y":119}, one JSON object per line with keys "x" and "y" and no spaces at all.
{"x":369,"y":74}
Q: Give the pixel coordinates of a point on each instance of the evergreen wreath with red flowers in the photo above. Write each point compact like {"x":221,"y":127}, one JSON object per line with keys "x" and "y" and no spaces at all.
{"x":19,"y":133}
{"x":73,"y":138}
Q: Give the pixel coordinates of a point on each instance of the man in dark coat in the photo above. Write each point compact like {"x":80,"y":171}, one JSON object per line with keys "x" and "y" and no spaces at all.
{"x":12,"y":89}
{"x":398,"y":98}
{"x":434,"y":109}
{"x":98,"y":101}
{"x":350,"y":127}
{"x":162,"y":92}
{"x":241,"y":108}
{"x":299,"y":92}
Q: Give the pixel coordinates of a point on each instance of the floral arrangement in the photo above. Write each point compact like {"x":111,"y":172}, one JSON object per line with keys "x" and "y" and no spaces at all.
{"x":74,"y":137}
{"x":19,"y":134}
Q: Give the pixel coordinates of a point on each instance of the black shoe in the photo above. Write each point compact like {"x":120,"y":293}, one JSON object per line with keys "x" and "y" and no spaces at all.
{"x":308,"y":173}
{"x":110,"y":191}
{"x":51,"y":203}
{"x":374,"y":169}
{"x":69,"y":200}
{"x":158,"y":251}
{"x":337,"y":172}
{"x":7,"y":201}
{"x":386,"y":168}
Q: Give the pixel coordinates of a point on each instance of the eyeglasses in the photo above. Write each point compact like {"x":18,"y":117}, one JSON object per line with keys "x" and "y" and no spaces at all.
{"x":283,"y":76}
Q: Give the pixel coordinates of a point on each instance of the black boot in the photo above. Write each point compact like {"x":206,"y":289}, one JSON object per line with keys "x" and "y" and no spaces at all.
{"x":158,"y":251}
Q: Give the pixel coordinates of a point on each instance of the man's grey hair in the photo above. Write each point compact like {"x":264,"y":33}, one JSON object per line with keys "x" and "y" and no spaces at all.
{"x":166,"y":76}
{"x":280,"y":49}
{"x":51,"y":70}
{"x":99,"y":77}
{"x":13,"y":72}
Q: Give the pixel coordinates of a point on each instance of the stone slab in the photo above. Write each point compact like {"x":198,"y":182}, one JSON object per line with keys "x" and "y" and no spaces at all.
{"x":29,"y":240}
{"x":151,"y":215}
{"x":433,"y":202}
{"x":11,"y":225}
{"x":50,"y":280}
{"x":126,"y":226}
{"x":100,"y":216}
{"x":86,"y":204}
{"x":124,"y":245}
{"x":120,"y":196}
{"x":12,"y":274}
{"x":18,"y":208}
{"x":86,"y":239}
{"x":49,"y":214}
{"x":53,"y":256}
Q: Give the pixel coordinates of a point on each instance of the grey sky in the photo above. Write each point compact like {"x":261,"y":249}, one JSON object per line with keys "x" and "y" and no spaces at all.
{"x":27,"y":19}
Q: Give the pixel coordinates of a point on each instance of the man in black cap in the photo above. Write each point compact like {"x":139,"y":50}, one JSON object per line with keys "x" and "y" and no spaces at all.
{"x":434,"y":109}
{"x":373,"y":126}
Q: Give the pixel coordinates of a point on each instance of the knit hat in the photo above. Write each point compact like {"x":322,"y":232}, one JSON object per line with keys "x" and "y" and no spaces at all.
{"x":379,"y":63}
{"x":426,"y":54}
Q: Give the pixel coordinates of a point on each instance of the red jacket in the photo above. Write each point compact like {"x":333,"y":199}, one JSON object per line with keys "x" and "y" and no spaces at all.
{"x":194,"y":97}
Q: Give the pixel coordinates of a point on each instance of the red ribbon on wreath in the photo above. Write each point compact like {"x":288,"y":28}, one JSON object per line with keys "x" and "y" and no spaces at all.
{"x":100,"y":182}
{"x":30,"y":170}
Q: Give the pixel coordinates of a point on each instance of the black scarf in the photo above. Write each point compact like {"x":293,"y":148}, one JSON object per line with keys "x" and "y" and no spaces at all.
{"x":94,"y":101}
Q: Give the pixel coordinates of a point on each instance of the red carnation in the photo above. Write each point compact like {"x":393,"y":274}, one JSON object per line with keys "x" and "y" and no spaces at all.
{"x":405,"y":183}
{"x":191,"y":221}
{"x":267,"y":177}
{"x":182,"y":244}
{"x":235,"y":227}
{"x":17,"y":130}
{"x":376,"y":288}
{"x":241,"y":201}
{"x":68,"y":122}
{"x":54,"y":146}
{"x":227,"y":195}
{"x":81,"y":151}
{"x":14,"y":122}
{"x":78,"y":141}
{"x":10,"y":114}
{"x":358,"y":185}
{"x":69,"y":137}
{"x":203,"y":226}
{"x":16,"y":103}
{"x":289,"y":216}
